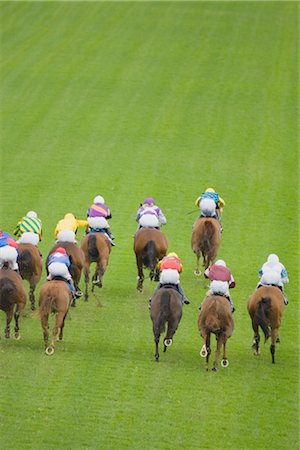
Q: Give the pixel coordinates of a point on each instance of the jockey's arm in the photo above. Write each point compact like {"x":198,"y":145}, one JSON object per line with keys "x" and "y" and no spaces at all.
{"x":82,"y":223}
{"x":17,"y":231}
{"x":197,"y":201}
{"x":162,"y":218}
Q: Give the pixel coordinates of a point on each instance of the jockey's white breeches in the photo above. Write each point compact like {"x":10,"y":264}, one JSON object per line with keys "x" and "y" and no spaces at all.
{"x":9,"y":255}
{"x":208,"y":207}
{"x":97,"y":222}
{"x":66,"y":236}
{"x":219,"y":287}
{"x":29,"y":238}
{"x":58,"y":269}
{"x":149,"y":220}
{"x":271,"y":277}
{"x":169,"y":276}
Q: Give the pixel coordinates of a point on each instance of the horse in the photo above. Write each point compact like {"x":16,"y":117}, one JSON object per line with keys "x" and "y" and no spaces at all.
{"x":76,"y":259}
{"x":150,"y":246}
{"x":30,"y":266}
{"x":265,"y":307}
{"x":215,"y":317}
{"x":12,"y":293}
{"x":166,"y":308}
{"x":206,"y":239}
{"x":55,"y":297}
{"x":96,"y":248}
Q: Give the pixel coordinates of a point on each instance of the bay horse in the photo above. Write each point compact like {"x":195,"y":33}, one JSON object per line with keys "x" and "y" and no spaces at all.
{"x":166,"y":308}
{"x":206,"y":239}
{"x":265,"y":307}
{"x":96,"y":248}
{"x":215,"y":317}
{"x":76,"y":256}
{"x":150,"y":246}
{"x":12,"y":298}
{"x":55,"y":297}
{"x":30,"y":266}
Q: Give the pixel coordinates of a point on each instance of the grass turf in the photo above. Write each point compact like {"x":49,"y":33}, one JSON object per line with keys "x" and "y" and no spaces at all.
{"x":165,"y":99}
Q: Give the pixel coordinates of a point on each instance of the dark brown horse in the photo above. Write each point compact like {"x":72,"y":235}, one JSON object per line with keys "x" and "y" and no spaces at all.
{"x":55,"y":298}
{"x":96,"y":248}
{"x":30,"y":266}
{"x":150,"y":246}
{"x":76,"y":256}
{"x":215,"y":317}
{"x":206,"y":239}
{"x":166,"y":308}
{"x":12,"y":293}
{"x":265,"y":307}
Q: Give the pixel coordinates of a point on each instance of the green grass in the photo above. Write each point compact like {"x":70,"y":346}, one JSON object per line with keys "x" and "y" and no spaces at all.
{"x":165,"y":99}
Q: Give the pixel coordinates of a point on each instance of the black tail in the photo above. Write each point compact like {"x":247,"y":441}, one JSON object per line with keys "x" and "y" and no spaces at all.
{"x":164,"y":311}
{"x":7,"y":289}
{"x":207,"y":238}
{"x":24,"y":260}
{"x":150,"y":260}
{"x":263,"y":313}
{"x":92,"y":248}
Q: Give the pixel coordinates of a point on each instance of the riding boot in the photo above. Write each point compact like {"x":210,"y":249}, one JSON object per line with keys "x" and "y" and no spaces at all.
{"x":109,"y":233}
{"x":184,"y":299}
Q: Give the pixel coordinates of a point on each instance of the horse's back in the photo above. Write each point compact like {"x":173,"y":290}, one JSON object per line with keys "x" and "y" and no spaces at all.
{"x":11,"y":288}
{"x":95,"y":246}
{"x":216,"y":315}
{"x":167,"y":300}
{"x":145,"y":235}
{"x":205,"y":228}
{"x":272,"y":293}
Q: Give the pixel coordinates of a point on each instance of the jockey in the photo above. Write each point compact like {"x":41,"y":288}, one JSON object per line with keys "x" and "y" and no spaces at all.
{"x":58,"y":266}
{"x":29,"y":229}
{"x":210,"y":204}
{"x":8,"y":251}
{"x":67,"y":227}
{"x":97,"y":215}
{"x":170,"y":267}
{"x":221,"y":281}
{"x":273,"y":273}
{"x":150,"y":215}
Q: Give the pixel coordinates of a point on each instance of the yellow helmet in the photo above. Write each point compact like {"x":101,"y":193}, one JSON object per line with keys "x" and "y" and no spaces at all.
{"x":172,"y":254}
{"x":210,"y":190}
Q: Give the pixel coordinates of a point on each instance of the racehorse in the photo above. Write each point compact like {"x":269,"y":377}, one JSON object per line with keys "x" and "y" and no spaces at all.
{"x":76,"y":259}
{"x":265,"y":307}
{"x":206,"y":239}
{"x":166,"y":308}
{"x":215,"y":317}
{"x":30,"y":266}
{"x":55,"y":297}
{"x":12,"y":293}
{"x":150,"y":246}
{"x":96,"y":248}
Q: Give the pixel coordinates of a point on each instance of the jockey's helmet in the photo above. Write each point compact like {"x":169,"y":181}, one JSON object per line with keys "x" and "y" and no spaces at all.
{"x":60,"y":250}
{"x":220,"y":262}
{"x":210,"y":190}
{"x":32,"y":214}
{"x":99,"y":199}
{"x":273,"y":258}
{"x":149,"y":201}
{"x":172,"y":254}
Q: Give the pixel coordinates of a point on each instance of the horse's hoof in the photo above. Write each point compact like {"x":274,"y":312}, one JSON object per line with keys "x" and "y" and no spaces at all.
{"x":214,"y":369}
{"x":197,"y":273}
{"x":224,"y":363}
{"x":17,"y":336}
{"x":33,"y":308}
{"x":168,"y":342}
{"x":49,"y":350}
{"x":203,"y":352}
{"x":156,"y":358}
{"x":278,"y":341}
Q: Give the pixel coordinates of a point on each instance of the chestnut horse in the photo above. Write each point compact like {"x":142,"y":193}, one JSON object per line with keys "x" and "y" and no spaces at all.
{"x":166,"y":308}
{"x":150,"y":246}
{"x":30,"y":266}
{"x":206,"y":239}
{"x":265,"y":307}
{"x":96,"y":248}
{"x":55,"y":296}
{"x":76,"y":259}
{"x":12,"y":293}
{"x":215,"y":317}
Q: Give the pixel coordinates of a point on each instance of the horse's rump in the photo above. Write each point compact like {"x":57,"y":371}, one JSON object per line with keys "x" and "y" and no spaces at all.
{"x":206,"y":235}
{"x":54,"y":297}
{"x":29,"y":261}
{"x":215,"y":315}
{"x":151,"y":244}
{"x":11,"y":289}
{"x":166,"y":305}
{"x":150,"y":255}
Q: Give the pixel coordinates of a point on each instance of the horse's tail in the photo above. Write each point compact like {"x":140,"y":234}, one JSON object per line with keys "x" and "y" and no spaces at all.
{"x":47,"y":306}
{"x":150,"y":260}
{"x":25,"y":259}
{"x":92,"y":248}
{"x":207,"y":236}
{"x":262,"y":313}
{"x":164,"y":311}
{"x":7,"y":288}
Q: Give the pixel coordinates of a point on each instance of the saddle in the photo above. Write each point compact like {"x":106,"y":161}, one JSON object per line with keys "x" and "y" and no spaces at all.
{"x":266,"y":285}
{"x":169,"y":286}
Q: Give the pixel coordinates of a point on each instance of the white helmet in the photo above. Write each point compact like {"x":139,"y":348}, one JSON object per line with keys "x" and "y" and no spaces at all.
{"x":32,"y":214}
{"x":220,"y":262}
{"x":273,"y":258}
{"x":99,"y":199}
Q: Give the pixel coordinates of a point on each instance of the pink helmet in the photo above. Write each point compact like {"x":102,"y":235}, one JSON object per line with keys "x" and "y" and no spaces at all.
{"x":60,"y":250}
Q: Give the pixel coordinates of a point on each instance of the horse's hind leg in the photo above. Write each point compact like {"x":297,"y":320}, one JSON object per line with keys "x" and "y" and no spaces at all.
{"x":220,"y":341}
{"x":45,"y":327}
{"x":19,"y":309}
{"x":208,"y":350}
{"x":86,"y":281}
{"x":274,"y":337}
{"x":32,"y":286}
{"x":58,"y":324}
{"x":172,"y":327}
{"x":256,"y":339}
{"x":60,"y":337}
{"x":197,"y":271}
{"x":224,"y":362}
{"x":139,"y":263}
{"x":9,"y":316}
{"x":156,"y":340}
